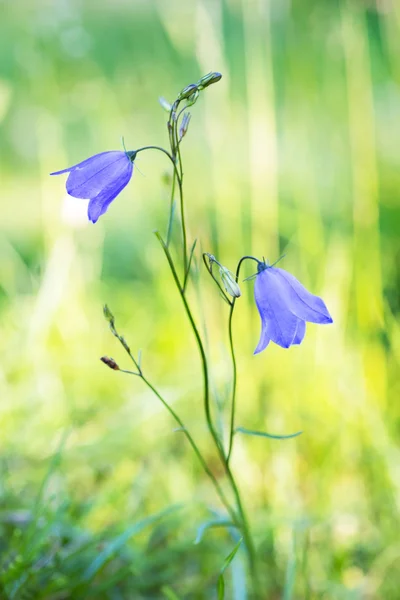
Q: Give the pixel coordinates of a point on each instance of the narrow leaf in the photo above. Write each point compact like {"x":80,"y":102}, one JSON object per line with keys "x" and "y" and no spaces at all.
{"x":189,"y":263}
{"x":227,"y":562}
{"x":267,"y":435}
{"x":221,"y":587}
{"x":117,"y":543}
{"x":211,"y":524}
{"x":231,"y":556}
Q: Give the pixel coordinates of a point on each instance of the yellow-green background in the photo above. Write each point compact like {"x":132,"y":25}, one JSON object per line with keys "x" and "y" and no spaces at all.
{"x":295,"y":150}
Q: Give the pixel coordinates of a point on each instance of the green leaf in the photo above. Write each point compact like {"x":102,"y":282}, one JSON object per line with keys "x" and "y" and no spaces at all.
{"x":221,"y":587}
{"x":267,"y":435}
{"x":117,"y":543}
{"x":169,"y":593}
{"x":211,"y":524}
{"x":227,"y":562}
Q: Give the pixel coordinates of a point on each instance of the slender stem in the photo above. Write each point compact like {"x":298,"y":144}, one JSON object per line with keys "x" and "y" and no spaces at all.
{"x":193,"y":444}
{"x":244,"y":523}
{"x":179,"y":421}
{"x":234,"y":379}
{"x":181,"y":202}
{"x":179,"y":177}
{"x":234,"y":368}
{"x":183,"y":219}
{"x":245,"y":527}
{"x":199,"y":344}
{"x":209,"y":269}
{"x":160,"y":149}
{"x":171,"y":209}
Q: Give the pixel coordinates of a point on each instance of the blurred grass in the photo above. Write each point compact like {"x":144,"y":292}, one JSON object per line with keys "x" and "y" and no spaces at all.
{"x":296,"y":151}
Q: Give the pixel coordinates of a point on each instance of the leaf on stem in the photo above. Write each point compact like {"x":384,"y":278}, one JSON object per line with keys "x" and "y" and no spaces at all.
{"x":267,"y":435}
{"x":227,"y":562}
{"x":210,"y":525}
{"x":189,"y":263}
{"x":119,"y":542}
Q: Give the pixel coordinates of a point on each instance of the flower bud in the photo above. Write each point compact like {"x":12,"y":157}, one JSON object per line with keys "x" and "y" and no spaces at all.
{"x":187,"y":91}
{"x":230,"y":284}
{"x":185,"y":124}
{"x":110,"y":362}
{"x":208,"y":79}
{"x":192,"y":98}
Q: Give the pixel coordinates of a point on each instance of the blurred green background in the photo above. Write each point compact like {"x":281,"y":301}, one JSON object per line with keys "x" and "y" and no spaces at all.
{"x":295,"y":150}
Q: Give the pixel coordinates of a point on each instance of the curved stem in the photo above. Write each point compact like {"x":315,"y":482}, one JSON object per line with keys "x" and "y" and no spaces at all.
{"x":193,"y":444}
{"x":234,"y":368}
{"x":182,"y":208}
{"x":244,"y":523}
{"x":139,"y":373}
{"x":209,"y":269}
{"x":160,"y":149}
{"x":199,"y":344}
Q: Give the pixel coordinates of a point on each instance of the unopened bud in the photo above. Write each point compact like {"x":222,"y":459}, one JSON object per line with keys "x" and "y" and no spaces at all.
{"x":192,"y":98}
{"x":208,"y":79}
{"x":230,"y":283}
{"x":110,"y":362}
{"x":187,"y":91}
{"x":185,"y":124}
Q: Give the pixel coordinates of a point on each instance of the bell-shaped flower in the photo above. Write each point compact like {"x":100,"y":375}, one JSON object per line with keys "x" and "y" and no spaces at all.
{"x":99,"y":179}
{"x":285,"y":306}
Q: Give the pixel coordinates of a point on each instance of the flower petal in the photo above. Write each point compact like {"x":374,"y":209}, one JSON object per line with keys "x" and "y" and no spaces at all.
{"x":99,"y":204}
{"x":278,"y":323}
{"x":264,"y":339}
{"x":94,"y":177}
{"x":89,"y":177}
{"x":300,"y":332}
{"x":97,"y":158}
{"x":300,"y":301}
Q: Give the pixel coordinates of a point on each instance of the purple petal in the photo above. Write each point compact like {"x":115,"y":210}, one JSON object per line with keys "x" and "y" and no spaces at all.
{"x":300,"y":301}
{"x":264,"y":339}
{"x":99,"y":204}
{"x":300,"y":332}
{"x":89,"y":177}
{"x":278,"y":323}
{"x":81,"y":165}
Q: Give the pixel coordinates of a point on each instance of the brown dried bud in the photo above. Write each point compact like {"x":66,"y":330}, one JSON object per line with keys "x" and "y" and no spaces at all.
{"x":110,"y":362}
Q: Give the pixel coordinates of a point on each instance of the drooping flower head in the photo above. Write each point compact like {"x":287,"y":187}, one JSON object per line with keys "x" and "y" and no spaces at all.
{"x":99,"y":179}
{"x":285,"y":306}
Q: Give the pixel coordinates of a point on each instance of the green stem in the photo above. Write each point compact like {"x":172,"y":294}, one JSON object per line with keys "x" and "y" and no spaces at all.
{"x":234,"y":379}
{"x":234,"y":368}
{"x":193,"y":444}
{"x":176,"y":157}
{"x":160,"y":149}
{"x":199,"y":344}
{"x":245,"y":529}
{"x":182,"y":204}
{"x":182,"y":426}
{"x":178,"y":176}
{"x":244,"y":523}
{"x":171,"y":209}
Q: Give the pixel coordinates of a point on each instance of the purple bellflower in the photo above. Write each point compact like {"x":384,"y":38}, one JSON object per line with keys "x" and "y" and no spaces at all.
{"x":99,"y":179}
{"x":285,"y":305}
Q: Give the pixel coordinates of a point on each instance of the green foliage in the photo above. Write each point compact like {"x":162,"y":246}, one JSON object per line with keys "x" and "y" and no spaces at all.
{"x":301,"y":137}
